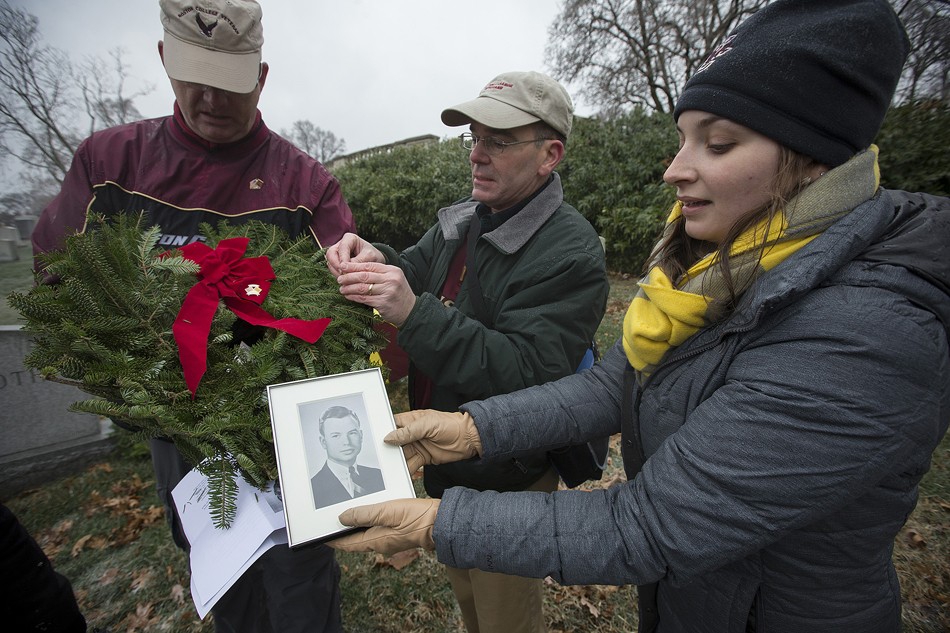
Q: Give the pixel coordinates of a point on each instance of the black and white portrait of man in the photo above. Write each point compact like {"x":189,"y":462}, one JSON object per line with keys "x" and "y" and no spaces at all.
{"x":340,"y":434}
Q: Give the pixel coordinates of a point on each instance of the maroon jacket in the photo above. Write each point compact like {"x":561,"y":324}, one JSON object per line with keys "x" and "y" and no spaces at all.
{"x":181,"y":180}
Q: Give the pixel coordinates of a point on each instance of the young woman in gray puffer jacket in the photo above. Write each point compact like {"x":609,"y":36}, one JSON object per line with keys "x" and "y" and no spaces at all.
{"x":783,"y":376}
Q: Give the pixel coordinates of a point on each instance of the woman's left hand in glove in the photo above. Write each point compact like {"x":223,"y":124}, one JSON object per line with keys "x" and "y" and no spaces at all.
{"x":394,"y":526}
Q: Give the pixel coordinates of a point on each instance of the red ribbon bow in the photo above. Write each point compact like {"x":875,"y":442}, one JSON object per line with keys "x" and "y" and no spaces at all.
{"x":242,"y":283}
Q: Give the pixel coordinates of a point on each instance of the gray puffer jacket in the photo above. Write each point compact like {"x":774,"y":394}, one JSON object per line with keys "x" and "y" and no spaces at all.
{"x":783,"y":446}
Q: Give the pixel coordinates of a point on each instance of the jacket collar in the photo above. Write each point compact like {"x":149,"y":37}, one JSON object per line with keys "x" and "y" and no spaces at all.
{"x":815,"y":263}
{"x":513,"y":234}
{"x":256,"y":137}
{"x":850,"y":252}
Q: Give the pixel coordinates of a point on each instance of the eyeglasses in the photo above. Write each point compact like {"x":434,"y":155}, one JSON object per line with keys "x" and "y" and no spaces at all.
{"x":490,"y":144}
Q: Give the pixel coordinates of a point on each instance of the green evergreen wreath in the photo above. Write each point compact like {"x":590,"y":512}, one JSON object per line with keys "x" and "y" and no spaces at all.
{"x":106,"y":327}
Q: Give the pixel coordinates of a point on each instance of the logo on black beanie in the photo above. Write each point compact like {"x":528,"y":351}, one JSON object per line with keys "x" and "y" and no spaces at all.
{"x":723,"y":48}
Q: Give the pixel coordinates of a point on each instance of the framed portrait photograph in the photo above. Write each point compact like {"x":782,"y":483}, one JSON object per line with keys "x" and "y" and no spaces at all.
{"x":328,"y":436}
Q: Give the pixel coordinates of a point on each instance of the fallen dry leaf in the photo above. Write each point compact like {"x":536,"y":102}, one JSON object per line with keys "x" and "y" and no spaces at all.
{"x":80,"y":544}
{"x":89,"y":542}
{"x":178,"y":594}
{"x":914,"y":539}
{"x":109,"y":576}
{"x":116,"y":505}
{"x":154,"y":514}
{"x":53,"y":540}
{"x":594,"y":611}
{"x":140,"y":580}
{"x":617,"y":306}
{"x":93,"y":504}
{"x":141,"y":620}
{"x":97,"y":542}
{"x":129,"y":487}
{"x":397,"y":561}
{"x":136,"y":520}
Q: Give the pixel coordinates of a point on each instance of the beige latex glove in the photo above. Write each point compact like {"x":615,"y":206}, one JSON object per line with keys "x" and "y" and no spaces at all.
{"x":428,"y":436}
{"x":394,"y":526}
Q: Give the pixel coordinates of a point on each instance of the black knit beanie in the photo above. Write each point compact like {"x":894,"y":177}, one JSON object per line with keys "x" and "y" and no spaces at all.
{"x":817,"y":76}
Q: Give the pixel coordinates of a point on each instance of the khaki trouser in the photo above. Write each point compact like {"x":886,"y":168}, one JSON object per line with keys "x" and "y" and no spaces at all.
{"x":498,"y":603}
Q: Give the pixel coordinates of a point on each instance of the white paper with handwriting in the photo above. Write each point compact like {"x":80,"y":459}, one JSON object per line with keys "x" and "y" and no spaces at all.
{"x":219,"y":557}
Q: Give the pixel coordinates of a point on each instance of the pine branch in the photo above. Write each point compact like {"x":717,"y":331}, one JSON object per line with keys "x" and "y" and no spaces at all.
{"x":222,"y":489}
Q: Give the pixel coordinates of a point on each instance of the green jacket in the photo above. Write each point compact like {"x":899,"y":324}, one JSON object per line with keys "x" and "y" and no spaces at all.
{"x":543,"y":279}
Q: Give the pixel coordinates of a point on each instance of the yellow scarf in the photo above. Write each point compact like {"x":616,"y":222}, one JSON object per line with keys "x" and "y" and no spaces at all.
{"x":663,"y":315}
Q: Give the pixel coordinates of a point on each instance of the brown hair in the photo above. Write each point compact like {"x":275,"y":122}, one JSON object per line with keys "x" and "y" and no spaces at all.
{"x":677,"y":251}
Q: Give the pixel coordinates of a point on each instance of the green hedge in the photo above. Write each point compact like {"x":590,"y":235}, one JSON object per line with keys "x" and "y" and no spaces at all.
{"x":914,"y":142}
{"x":395,"y":195}
{"x":613,"y":174}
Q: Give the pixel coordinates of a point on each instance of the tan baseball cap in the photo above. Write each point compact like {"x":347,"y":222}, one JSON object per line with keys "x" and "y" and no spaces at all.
{"x":213,"y":42}
{"x":514,"y":99}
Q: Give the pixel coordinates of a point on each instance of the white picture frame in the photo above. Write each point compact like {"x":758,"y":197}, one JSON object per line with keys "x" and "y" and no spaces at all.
{"x":313,"y":422}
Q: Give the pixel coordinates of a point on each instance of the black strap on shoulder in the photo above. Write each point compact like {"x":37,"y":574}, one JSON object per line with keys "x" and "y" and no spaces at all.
{"x":631,"y":448}
{"x":478,"y":301}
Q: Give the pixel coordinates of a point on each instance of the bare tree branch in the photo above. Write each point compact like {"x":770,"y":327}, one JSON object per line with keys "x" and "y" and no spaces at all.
{"x":319,"y":143}
{"x":33,"y":104}
{"x":638,"y":53}
{"x":927,"y":71}
{"x":46,"y":106}
{"x":103,"y":95}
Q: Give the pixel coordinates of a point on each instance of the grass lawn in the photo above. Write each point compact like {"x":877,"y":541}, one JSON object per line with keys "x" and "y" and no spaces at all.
{"x":103,"y":528}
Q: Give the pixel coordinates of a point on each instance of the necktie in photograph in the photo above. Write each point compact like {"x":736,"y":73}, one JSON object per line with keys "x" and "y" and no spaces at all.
{"x":358,"y":490}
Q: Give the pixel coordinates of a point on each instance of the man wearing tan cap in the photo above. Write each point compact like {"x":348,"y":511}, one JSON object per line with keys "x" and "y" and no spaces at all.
{"x":504,"y":292}
{"x":215,"y":159}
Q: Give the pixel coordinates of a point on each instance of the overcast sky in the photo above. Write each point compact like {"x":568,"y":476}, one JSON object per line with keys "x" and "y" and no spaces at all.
{"x":369,"y":71}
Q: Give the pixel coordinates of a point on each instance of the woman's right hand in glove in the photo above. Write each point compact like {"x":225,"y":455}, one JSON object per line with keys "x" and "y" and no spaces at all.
{"x":428,"y":436}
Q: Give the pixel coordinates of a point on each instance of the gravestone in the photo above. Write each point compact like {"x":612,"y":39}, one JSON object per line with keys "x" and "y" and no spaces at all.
{"x":39,"y":438}
{"x":9,"y":251}
{"x":9,"y":240}
{"x":24,"y":226}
